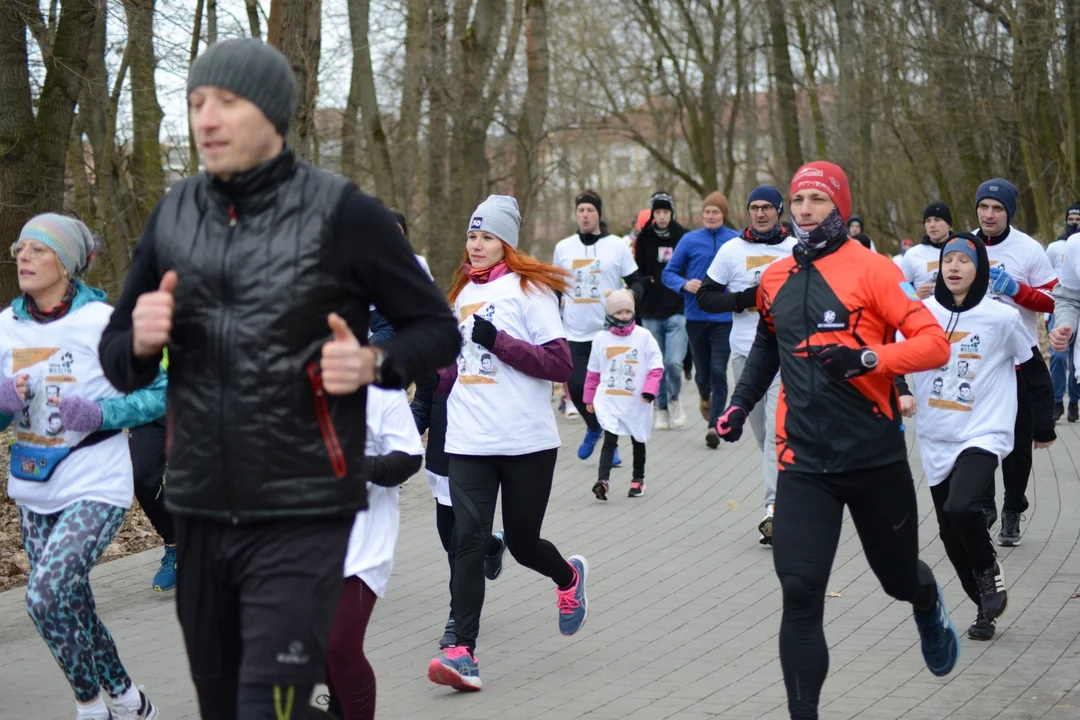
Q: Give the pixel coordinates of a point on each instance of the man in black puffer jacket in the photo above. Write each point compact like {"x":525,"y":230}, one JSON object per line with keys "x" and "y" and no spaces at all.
{"x":255,"y":274}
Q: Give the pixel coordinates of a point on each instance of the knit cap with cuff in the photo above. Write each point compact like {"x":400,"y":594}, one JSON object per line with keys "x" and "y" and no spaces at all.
{"x":500,"y":216}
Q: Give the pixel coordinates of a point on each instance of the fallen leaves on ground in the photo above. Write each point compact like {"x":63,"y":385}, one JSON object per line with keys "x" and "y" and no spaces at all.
{"x":732,"y":505}
{"x":834,"y":595}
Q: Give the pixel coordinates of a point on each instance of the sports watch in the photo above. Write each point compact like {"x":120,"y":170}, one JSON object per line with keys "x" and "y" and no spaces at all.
{"x":869,"y":359}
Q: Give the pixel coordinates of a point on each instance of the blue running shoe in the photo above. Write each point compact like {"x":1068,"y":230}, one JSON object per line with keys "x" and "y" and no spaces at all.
{"x":457,"y":668}
{"x":165,"y":577}
{"x":493,"y":564}
{"x":616,"y":461}
{"x":940,"y":643}
{"x":589,"y":444}
{"x":573,"y":603}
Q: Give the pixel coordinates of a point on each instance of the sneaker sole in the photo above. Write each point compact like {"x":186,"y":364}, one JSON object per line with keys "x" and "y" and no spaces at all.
{"x":585,"y":595}
{"x":635,"y":494}
{"x":599,"y":492}
{"x":158,"y":588}
{"x":980,"y":638}
{"x":1008,"y":542}
{"x":442,"y":675}
{"x":765,"y":528}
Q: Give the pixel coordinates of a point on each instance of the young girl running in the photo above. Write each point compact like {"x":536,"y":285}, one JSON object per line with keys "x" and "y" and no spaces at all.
{"x":71,"y":472}
{"x":624,"y":374}
{"x":966,"y":412}
{"x":394,"y":453}
{"x":501,"y":432}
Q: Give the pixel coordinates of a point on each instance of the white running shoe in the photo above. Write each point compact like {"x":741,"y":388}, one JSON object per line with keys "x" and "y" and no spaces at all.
{"x":678,"y":416}
{"x":662,"y":420}
{"x":571,"y":411}
{"x":146,"y":712}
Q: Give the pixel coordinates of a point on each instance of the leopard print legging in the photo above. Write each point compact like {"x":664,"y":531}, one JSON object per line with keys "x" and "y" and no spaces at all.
{"x":62,"y":549}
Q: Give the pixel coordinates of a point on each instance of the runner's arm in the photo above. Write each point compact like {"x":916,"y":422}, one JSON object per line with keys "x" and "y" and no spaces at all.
{"x":1040,"y":391}
{"x":1039,"y":299}
{"x":550,"y":361}
{"x":925,"y":346}
{"x":672,"y":274}
{"x":714,"y":297}
{"x":392,"y":469}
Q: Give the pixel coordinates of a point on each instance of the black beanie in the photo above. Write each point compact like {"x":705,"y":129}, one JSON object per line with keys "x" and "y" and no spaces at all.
{"x":591,"y":198}
{"x":253,"y":70}
{"x":1074,"y":209}
{"x":938,"y":209}
{"x":662,"y":201}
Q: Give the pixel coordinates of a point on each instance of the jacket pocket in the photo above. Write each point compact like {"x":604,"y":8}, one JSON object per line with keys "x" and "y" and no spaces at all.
{"x":326,"y":423}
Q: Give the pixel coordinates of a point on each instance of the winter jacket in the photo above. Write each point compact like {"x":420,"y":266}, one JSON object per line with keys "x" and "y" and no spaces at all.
{"x":690,"y":261}
{"x":652,"y":253}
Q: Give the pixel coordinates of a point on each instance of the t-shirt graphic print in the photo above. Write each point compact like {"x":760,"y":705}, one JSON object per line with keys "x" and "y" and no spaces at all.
{"x":586,"y":281}
{"x":624,"y":367}
{"x":476,"y":364}
{"x":951,"y":388}
{"x":51,"y":373}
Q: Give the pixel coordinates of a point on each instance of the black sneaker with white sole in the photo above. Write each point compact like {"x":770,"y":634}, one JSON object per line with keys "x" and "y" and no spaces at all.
{"x":993,"y":595}
{"x":990,"y":514}
{"x":1009,"y":535}
{"x":493,"y":562}
{"x":765,"y":528}
{"x":983,"y":628}
{"x":449,"y":638}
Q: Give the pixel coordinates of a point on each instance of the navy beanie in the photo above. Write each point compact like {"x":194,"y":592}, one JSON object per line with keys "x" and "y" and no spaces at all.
{"x":1001,"y":190}
{"x":769,"y":194}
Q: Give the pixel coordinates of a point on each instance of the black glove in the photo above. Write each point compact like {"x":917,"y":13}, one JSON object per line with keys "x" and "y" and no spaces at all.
{"x":483,"y":332}
{"x":647,"y":397}
{"x":745,"y":299}
{"x":842,"y":362}
{"x":730,"y":424}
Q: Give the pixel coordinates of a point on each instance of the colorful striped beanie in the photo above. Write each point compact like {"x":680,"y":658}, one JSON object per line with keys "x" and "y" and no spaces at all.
{"x":69,"y":238}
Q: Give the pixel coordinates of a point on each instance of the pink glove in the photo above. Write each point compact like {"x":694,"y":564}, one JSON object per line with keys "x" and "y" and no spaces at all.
{"x":11,"y":403}
{"x":80,"y":415}
{"x":730,"y":424}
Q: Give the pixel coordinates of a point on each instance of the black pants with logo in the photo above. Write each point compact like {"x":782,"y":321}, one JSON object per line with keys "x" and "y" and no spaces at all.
{"x":256,"y":604}
{"x":808,"y":516}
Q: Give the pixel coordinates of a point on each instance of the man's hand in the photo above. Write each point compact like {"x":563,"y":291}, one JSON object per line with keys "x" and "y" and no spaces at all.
{"x":907,"y":405}
{"x":925,"y":290}
{"x":842,"y":362}
{"x":746,"y":299}
{"x":692,"y":286}
{"x":590,"y":408}
{"x":1043,"y":445}
{"x":1060,"y":337}
{"x":730,"y":424}
{"x":151,"y":320}
{"x":346,"y":365}
{"x":1002,"y":283}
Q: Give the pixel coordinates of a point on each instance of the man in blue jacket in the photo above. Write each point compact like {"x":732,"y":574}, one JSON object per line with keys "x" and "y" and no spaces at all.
{"x":708,"y":332}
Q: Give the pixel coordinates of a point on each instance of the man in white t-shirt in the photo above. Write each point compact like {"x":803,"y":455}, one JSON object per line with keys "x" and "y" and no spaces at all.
{"x":905,"y":245}
{"x":596,"y":261}
{"x":1062,"y":366}
{"x":1020,"y":276}
{"x":731,"y":285}
{"x":920,"y":263}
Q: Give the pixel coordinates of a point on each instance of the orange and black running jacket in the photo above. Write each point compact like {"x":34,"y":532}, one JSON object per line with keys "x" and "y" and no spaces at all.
{"x":849,"y":295}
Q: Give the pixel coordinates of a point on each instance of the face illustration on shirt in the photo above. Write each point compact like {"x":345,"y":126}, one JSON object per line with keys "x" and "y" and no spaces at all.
{"x":629,"y":384}
{"x":757,"y":277}
{"x":486,"y":365}
{"x":56,"y":425}
{"x":52,"y":394}
{"x":962,"y":368}
{"x":938,"y":385}
{"x":24,"y":421}
{"x":611,"y":381}
{"x":964,"y":395}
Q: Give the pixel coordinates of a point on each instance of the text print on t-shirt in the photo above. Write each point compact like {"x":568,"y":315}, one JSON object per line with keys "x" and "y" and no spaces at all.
{"x":50,"y":371}
{"x":951,"y":388}
{"x":476,"y":364}
{"x":623,"y":362}
{"x":586,"y":280}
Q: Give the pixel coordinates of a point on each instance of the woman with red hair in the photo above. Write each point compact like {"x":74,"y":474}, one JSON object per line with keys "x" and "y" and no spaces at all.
{"x":501,"y":432}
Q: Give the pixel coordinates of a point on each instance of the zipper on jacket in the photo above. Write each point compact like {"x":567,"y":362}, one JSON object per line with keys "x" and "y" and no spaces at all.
{"x":808,"y":334}
{"x":326,"y":423}
{"x":223,"y":353}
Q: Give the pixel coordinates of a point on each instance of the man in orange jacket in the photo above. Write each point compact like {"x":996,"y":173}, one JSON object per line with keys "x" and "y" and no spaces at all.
{"x":829,"y":317}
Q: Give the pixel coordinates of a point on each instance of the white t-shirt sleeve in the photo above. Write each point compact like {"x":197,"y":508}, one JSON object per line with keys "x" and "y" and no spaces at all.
{"x":627,"y":264}
{"x":596,"y":364}
{"x":542,"y":316}
{"x":720,"y":268}
{"x":396,"y":429}
{"x":906,"y":268}
{"x":1016,"y":342}
{"x":1040,"y":271}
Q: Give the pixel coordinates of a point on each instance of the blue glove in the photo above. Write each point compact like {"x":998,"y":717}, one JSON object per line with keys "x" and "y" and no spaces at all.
{"x":1002,"y":283}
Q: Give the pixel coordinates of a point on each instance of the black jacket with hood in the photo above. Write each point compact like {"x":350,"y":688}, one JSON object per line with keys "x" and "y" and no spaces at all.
{"x":652,"y":252}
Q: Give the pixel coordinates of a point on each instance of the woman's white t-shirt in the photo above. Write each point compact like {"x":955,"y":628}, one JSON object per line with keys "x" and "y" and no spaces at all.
{"x":390,"y":428}
{"x":494,"y":409}
{"x":61,"y":358}
{"x":970,"y":401}
{"x":739,"y":264}
{"x":623,"y":364}
{"x":593,"y":269}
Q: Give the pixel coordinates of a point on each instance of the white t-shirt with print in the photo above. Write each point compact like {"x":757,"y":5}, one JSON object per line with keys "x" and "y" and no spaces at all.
{"x":61,"y":358}
{"x":623,"y":364}
{"x":970,"y":401}
{"x":390,"y":428}
{"x":494,"y":409}
{"x":1055,"y":253}
{"x":593,"y":269}
{"x":920,"y":264}
{"x":1025,"y":259}
{"x":739,"y":264}
{"x":1069,"y":270}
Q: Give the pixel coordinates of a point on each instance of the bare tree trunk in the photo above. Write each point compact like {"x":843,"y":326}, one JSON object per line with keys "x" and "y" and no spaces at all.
{"x":444,"y":247}
{"x":362,"y":95}
{"x":147,"y":172}
{"x":530,"y":129}
{"x":300,"y":43}
{"x":785,"y":88}
{"x":275,"y":22}
{"x":196,"y":33}
{"x":847,"y":90}
{"x":407,"y":140}
{"x":253,"y":18}
{"x":1031,"y":82}
{"x":211,"y":22}
{"x":809,"y":64}
{"x":1072,"y":92}
{"x":736,"y":103}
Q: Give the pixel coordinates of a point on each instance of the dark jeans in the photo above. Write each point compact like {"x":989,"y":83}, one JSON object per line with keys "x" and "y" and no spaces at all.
{"x":958,"y":505}
{"x":147,"y":446}
{"x":1016,"y":467}
{"x":475,"y":481}
{"x":580,"y":352}
{"x":808,"y":515}
{"x":607,"y":456}
{"x":709,"y":343}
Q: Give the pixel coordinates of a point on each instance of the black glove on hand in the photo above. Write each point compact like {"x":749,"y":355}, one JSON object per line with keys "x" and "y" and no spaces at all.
{"x":745,"y":299}
{"x":842,"y":362}
{"x":730,"y":424}
{"x":483,"y":332}
{"x":647,"y":397}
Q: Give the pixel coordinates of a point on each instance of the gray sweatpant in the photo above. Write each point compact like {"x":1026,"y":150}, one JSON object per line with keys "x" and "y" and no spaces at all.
{"x":763,"y":423}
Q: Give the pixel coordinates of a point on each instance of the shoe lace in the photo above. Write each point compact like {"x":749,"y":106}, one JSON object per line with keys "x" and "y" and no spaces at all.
{"x":568,"y":601}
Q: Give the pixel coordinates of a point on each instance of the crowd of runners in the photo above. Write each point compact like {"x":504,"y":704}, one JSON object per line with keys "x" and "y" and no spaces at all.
{"x":274,"y":316}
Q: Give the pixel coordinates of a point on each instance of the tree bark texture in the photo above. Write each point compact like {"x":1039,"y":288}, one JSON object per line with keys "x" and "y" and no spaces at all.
{"x":785,"y":88}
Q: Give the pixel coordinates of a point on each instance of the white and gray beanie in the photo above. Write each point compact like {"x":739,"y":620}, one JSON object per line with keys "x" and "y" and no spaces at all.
{"x":498,"y":215}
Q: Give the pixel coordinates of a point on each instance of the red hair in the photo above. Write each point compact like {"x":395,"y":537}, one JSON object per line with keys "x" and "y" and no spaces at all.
{"x":533,"y":273}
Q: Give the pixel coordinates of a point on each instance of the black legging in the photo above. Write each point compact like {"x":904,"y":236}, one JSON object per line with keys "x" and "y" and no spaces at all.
{"x":444,"y":522}
{"x":147,"y":446}
{"x":580,"y":352}
{"x":957,"y":503}
{"x":607,"y":456}
{"x":808,"y":514}
{"x":474,"y":488}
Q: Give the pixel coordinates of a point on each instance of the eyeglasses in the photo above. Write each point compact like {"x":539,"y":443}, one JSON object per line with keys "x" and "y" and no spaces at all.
{"x":35,"y":249}
{"x":760,"y":208}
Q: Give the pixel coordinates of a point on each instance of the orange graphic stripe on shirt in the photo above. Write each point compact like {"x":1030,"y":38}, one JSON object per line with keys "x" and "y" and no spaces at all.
{"x":948,"y":405}
{"x":756,"y":261}
{"x":470,"y":309}
{"x":956,"y":336}
{"x":614,"y":350}
{"x":25,"y":357}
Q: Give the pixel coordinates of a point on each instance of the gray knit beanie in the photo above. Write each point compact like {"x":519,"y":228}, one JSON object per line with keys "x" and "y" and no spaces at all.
{"x":253,"y":70}
{"x":499,"y":216}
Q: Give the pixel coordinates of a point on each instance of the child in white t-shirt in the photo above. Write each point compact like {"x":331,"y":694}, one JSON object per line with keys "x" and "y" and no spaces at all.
{"x":624,"y":373}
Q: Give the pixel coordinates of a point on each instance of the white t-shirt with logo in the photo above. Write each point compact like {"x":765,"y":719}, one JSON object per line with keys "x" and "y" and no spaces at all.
{"x":390,"y":428}
{"x":1055,"y":253}
{"x":739,"y":264}
{"x":494,"y":409}
{"x":593,"y":269}
{"x":971,"y":400}
{"x":61,"y":358}
{"x":1025,"y":259}
{"x":623,"y":364}
{"x":920,"y":264}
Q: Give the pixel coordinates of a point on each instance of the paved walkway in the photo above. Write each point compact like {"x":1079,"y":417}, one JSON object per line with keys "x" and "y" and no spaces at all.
{"x":683,"y":618}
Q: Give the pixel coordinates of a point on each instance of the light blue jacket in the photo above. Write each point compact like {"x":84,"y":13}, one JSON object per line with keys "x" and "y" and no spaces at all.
{"x":139,"y":408}
{"x":691,"y":259}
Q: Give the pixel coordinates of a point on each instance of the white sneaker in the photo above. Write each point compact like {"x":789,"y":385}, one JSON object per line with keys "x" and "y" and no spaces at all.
{"x":678,"y":417}
{"x":571,"y":411}
{"x":147,"y":711}
{"x":662,"y":421}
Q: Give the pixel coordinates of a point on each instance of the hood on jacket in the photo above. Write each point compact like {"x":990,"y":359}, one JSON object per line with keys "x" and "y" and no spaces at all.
{"x":979,"y":287}
{"x":83,"y":294}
